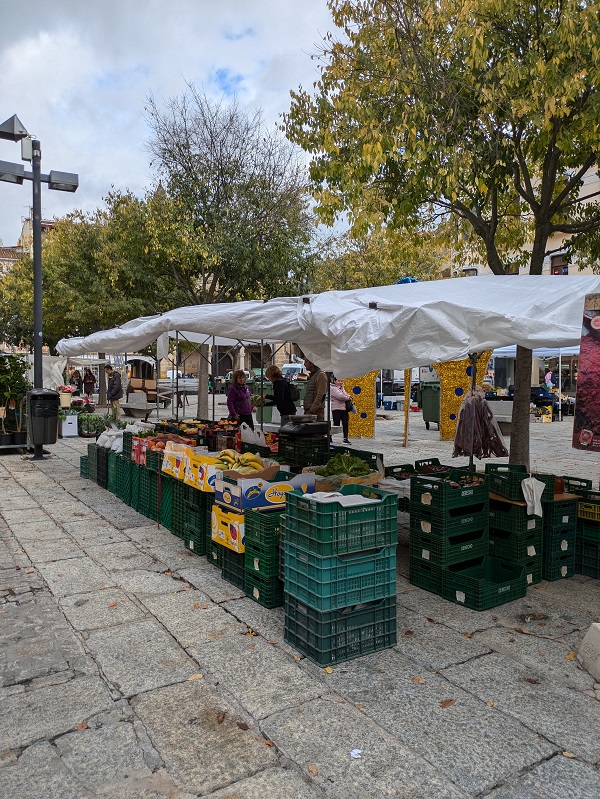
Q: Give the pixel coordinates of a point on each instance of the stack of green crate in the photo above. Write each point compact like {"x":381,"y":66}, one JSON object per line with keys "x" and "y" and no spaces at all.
{"x":111,"y":479}
{"x":134,"y":488}
{"x":165,"y":499}
{"x":123,"y":479}
{"x":449,"y":542}
{"x":517,"y":536}
{"x":148,"y":493}
{"x":261,"y":561}
{"x":190,"y":517}
{"x":93,"y":462}
{"x":340,"y":574}
{"x":303,"y":451}
{"x":83,"y":467}
{"x":587,"y":543}
{"x":127,"y":436}
{"x":560,"y":533}
{"x":102,"y":473}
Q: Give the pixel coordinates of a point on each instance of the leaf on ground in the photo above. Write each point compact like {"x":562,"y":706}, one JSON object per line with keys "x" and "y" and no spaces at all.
{"x":169,"y":574}
{"x":242,"y":725}
{"x":196,"y":676}
{"x":203,"y":607}
{"x":313,"y":770}
{"x":490,"y":703}
{"x":447,"y":702}
{"x":269,"y":743}
{"x":251,"y":646}
{"x":272,"y":642}
{"x":381,"y":671}
{"x":360,"y":707}
{"x":570,"y":656}
{"x":408,"y":633}
{"x":468,"y":635}
{"x":433,"y":621}
{"x":251,"y":631}
{"x":3,"y":611}
{"x":113,"y":604}
{"x":519,"y":630}
{"x":541,"y":624}
{"x":532,"y":680}
{"x":329,"y":670}
{"x":511,"y":640}
{"x":418,"y":680}
{"x":29,"y":571}
{"x":220,"y":718}
{"x":569,"y":754}
{"x":196,"y":605}
{"x":83,"y":726}
{"x":297,"y":658}
{"x":541,"y":654}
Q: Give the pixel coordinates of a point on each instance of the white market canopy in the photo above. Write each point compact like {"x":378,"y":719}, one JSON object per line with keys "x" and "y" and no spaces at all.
{"x":355,"y":332}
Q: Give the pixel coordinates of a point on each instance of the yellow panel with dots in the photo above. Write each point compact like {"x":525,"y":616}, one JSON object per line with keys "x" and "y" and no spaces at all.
{"x":362,"y":391}
{"x":455,"y":381}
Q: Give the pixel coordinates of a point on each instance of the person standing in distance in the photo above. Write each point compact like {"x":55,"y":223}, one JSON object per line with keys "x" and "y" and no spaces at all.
{"x":238,"y":399}
{"x":316,"y":391}
{"x":281,"y":397}
{"x":114,"y":391}
{"x":339,"y":411}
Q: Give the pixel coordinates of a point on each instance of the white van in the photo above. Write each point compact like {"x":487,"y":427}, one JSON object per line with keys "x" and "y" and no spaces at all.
{"x":292,"y":370}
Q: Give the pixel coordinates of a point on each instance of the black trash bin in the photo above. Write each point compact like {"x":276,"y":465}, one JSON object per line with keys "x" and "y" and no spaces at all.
{"x":42,"y":415}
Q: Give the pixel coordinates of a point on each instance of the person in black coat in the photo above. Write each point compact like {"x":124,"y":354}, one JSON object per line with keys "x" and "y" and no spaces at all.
{"x":114,"y":391}
{"x":281,"y":396}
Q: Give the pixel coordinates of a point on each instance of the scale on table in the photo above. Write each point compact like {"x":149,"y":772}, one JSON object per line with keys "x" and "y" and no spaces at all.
{"x":304,"y":425}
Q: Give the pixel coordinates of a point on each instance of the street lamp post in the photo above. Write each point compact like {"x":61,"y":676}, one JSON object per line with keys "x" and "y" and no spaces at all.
{"x":13,"y":130}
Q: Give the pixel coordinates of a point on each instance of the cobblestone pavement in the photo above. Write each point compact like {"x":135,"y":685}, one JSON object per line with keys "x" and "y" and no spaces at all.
{"x":130,"y":670}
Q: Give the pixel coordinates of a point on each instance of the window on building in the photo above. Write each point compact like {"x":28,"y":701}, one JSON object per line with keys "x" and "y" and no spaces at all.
{"x":470,"y":271}
{"x":558,"y":265}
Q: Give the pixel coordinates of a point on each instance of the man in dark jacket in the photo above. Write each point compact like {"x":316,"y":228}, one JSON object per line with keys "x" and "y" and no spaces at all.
{"x":114,"y":391}
{"x":316,"y":391}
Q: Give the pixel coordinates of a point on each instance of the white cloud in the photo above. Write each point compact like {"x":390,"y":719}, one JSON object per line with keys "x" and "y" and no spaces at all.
{"x":78,"y":73}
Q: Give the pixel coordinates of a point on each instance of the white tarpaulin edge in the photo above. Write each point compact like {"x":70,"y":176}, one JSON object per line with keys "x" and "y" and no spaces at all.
{"x":358,"y":331}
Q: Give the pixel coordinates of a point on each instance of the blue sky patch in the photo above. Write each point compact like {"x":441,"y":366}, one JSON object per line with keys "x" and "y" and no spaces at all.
{"x":227,"y":81}
{"x":235,"y":37}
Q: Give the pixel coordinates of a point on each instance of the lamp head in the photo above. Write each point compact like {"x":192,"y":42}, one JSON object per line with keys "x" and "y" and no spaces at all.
{"x":13,"y":129}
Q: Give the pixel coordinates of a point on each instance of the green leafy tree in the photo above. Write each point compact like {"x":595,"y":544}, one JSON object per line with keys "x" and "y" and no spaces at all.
{"x":482,"y":110}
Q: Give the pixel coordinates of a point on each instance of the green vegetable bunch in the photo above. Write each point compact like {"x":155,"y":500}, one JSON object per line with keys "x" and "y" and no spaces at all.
{"x":344,"y":464}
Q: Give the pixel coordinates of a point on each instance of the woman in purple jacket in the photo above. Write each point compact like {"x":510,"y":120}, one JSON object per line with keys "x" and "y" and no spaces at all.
{"x":238,"y":399}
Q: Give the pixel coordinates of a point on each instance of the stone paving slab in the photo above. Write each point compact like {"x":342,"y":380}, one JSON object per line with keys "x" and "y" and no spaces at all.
{"x":558,"y":778}
{"x":122,"y":556}
{"x":40,"y":772}
{"x":543,"y":655}
{"x":139,"y":657}
{"x":320,"y":736}
{"x":192,"y":618}
{"x":566,"y":717}
{"x":52,"y":549}
{"x":173,"y":556}
{"x":241,"y":664}
{"x":148,"y":535}
{"x":35,"y":640}
{"x":48,"y":711}
{"x":145,"y":583}
{"x":273,"y":783}
{"x":385,"y":685}
{"x":208,"y":579}
{"x":75,"y":576}
{"x":200,"y":753}
{"x":434,"y":645}
{"x":429,"y":605}
{"x":38,"y":531}
{"x":104,"y":758}
{"x":268,"y":623}
{"x":100,"y":609}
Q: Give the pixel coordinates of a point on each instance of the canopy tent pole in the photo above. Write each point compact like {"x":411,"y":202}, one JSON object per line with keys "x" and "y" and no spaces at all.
{"x":559,"y":385}
{"x":474,"y":357}
{"x":176,"y":376}
{"x":262,"y":381}
{"x":407,"y":400}
{"x":214,"y":377}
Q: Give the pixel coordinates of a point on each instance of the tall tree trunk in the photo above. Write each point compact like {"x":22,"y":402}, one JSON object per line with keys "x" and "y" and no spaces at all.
{"x":101,"y":382}
{"x":519,"y":436}
{"x":202,"y":408}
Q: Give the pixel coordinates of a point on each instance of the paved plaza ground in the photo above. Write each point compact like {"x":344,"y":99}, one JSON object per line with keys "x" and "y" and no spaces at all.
{"x":131,"y":670}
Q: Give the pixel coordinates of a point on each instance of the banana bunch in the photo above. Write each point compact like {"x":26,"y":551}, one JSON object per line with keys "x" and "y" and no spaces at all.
{"x":248,"y":463}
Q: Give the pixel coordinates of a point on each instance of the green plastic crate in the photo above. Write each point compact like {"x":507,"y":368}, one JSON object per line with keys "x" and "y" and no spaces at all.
{"x":83,"y":467}
{"x":340,"y":635}
{"x":403,"y":471}
{"x":445,"y":550}
{"x":262,"y":527}
{"x":560,"y":516}
{"x":588,"y":530}
{"x":264,"y":452}
{"x":517,"y":547}
{"x":337,"y":581}
{"x":261,"y":559}
{"x":373,"y":459}
{"x":92,"y":454}
{"x":576,"y":485}
{"x":505,"y":479}
{"x":154,"y":459}
{"x":124,"y":479}
{"x":484,"y":584}
{"x":298,"y":451}
{"x":195,"y":542}
{"x":111,"y":479}
{"x":559,"y":541}
{"x":437,"y":494}
{"x":425,"y":575}
{"x":589,"y":507}
{"x":134,"y":475}
{"x":102,"y":476}
{"x":148,"y":493}
{"x":432,"y":466}
{"x":587,"y":557}
{"x":451,"y":522}
{"x":232,"y":567}
{"x":332,"y":529}
{"x":214,"y":553}
{"x":512,"y":518}
{"x":267,"y":591}
{"x":165,"y":499}
{"x":558,"y":567}
{"x":127,"y":444}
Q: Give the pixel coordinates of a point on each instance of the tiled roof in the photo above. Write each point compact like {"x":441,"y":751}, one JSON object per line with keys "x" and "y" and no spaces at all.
{"x":10,"y":253}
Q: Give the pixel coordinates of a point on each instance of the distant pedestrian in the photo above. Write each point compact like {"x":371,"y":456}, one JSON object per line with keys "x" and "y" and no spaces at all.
{"x":114,"y":390}
{"x":238,"y":399}
{"x":89,"y":382}
{"x":281,"y":397}
{"x":339,"y":406}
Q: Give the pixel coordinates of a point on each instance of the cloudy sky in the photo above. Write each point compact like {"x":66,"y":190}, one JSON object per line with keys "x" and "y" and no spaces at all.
{"x":77,"y":74}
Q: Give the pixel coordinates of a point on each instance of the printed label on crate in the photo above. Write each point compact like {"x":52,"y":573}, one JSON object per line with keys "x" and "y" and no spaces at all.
{"x":425,"y":526}
{"x":255,"y":593}
{"x":465,"y":547}
{"x":564,"y":571}
{"x":460,"y":597}
{"x":256,"y":564}
{"x":531,"y":524}
{"x":426,"y":498}
{"x":564,"y":545}
{"x":565,"y":519}
{"x":529,"y":579}
{"x":425,"y":554}
{"x":531,"y":551}
{"x":504,"y":588}
{"x":260,"y":493}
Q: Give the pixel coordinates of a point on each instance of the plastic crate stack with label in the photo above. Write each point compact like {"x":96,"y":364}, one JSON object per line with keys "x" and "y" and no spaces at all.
{"x":515,"y":535}
{"x":587,"y":544}
{"x":560,"y":532}
{"x":449,"y":542}
{"x":340,"y":573}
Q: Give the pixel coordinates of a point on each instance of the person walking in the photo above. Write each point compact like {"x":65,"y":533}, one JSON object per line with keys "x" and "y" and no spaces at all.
{"x":114,"y":390}
{"x":281,"y":397}
{"x":339,"y":410}
{"x":77,"y":381}
{"x":238,"y":399}
{"x":89,"y":382}
{"x":316,"y":391}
